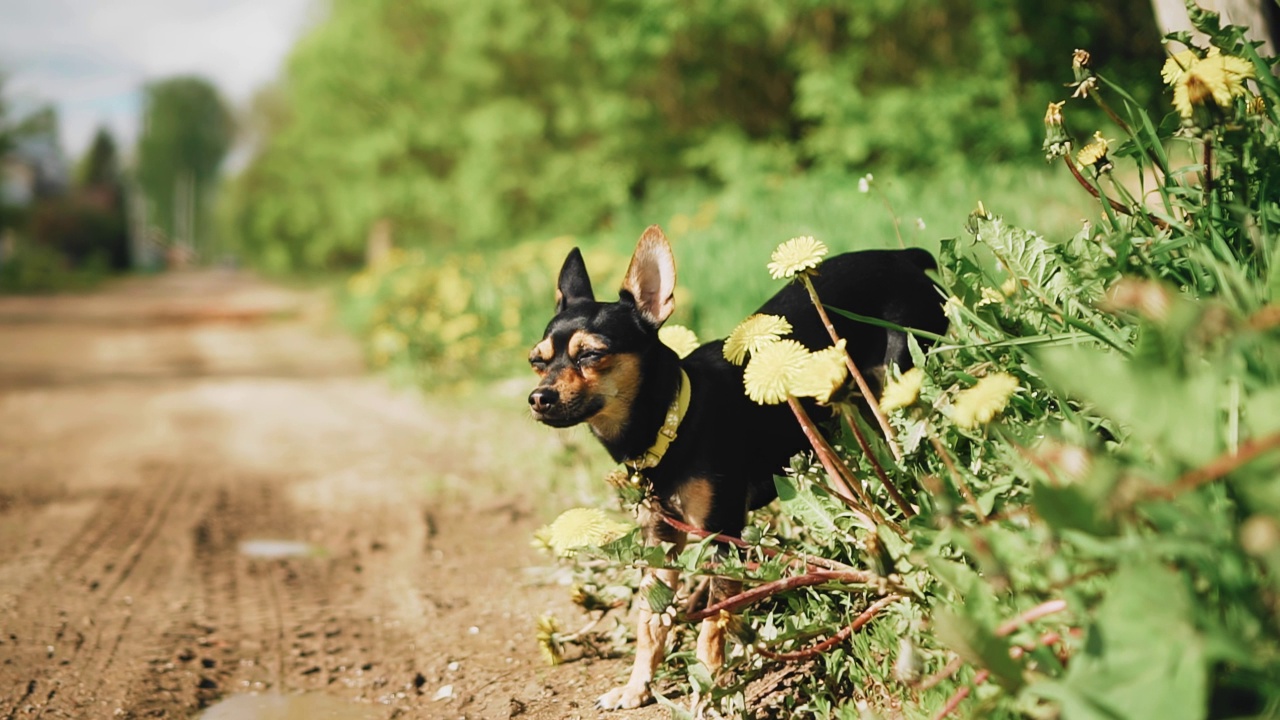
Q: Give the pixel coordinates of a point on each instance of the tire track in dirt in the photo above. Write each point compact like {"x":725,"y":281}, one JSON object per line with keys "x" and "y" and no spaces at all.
{"x":80,"y":614}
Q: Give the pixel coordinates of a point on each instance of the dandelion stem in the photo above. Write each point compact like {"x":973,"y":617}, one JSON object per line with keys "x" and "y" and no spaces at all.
{"x":892,"y":215}
{"x":1208,"y":172}
{"x":1006,"y":628}
{"x":854,"y":577}
{"x":1115,"y":205}
{"x":889,"y":486}
{"x":839,"y":637}
{"x":845,"y":487}
{"x":956,"y":477}
{"x":1217,"y":467}
{"x":853,"y":370}
{"x":699,"y":533}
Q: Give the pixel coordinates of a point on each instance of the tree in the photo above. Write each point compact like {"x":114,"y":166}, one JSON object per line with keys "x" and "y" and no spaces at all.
{"x":187,"y":131}
{"x":101,"y":163}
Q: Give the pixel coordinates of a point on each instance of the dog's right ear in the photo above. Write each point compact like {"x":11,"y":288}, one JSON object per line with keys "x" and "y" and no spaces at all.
{"x":574,"y":284}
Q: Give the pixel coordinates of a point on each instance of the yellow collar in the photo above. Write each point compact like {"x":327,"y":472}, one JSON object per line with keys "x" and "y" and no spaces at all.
{"x":666,"y":433}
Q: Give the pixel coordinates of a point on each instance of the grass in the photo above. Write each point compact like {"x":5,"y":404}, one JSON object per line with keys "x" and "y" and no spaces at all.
{"x":442,"y":319}
{"x":723,"y":241}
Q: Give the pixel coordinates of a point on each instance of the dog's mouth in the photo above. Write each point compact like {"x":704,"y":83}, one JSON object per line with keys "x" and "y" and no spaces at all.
{"x":554,"y":419}
{"x":563,"y":416}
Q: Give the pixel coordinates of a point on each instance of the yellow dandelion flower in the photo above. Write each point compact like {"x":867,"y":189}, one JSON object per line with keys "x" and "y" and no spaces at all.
{"x":982,"y":402}
{"x":1196,"y":81}
{"x":902,"y":392}
{"x":822,"y":373}
{"x":1176,"y":65}
{"x":580,"y":527}
{"x":1095,"y":154}
{"x":753,"y":334}
{"x":796,"y":256}
{"x":769,"y":376}
{"x":549,"y":639}
{"x":678,"y":338}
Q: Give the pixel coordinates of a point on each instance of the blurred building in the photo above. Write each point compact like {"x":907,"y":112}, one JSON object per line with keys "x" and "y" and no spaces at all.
{"x":33,"y":168}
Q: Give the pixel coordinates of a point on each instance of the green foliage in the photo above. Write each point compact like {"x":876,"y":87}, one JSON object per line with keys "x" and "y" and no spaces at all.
{"x":486,"y":122}
{"x":1105,"y":543}
{"x":187,"y":132}
{"x":505,"y":301}
{"x":39,"y":269}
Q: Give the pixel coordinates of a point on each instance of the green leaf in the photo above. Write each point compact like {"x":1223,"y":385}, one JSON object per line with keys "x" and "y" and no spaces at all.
{"x":660,"y":596}
{"x":810,"y":505}
{"x":1069,"y":507}
{"x":1142,"y":657}
{"x":979,"y":646}
{"x":1174,"y":413}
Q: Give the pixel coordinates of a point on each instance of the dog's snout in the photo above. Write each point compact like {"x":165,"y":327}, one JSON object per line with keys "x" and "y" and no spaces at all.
{"x":543,"y":398}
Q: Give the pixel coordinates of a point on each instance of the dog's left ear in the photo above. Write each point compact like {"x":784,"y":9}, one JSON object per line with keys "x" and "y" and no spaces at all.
{"x":574,"y":284}
{"x":651,"y":278}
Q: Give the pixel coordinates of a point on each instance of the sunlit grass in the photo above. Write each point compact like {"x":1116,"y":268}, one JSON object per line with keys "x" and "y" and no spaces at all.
{"x":441,"y":319}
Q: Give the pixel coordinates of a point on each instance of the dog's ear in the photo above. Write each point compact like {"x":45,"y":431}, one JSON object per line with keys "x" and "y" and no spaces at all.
{"x":651,"y":278}
{"x":574,"y":284}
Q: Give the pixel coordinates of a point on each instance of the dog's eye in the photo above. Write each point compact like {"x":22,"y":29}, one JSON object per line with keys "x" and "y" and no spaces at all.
{"x":538,"y":364}
{"x":588,"y":357}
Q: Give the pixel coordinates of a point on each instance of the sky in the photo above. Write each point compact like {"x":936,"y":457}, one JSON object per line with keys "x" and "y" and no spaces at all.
{"x":90,"y":58}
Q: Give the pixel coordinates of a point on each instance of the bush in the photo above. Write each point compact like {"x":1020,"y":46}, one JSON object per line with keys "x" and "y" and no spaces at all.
{"x":1090,"y":459}
{"x":482,"y":123}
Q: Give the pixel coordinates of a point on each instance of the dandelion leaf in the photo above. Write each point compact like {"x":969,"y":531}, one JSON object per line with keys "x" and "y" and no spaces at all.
{"x":1142,"y":658}
{"x":810,"y":505}
{"x":979,"y":646}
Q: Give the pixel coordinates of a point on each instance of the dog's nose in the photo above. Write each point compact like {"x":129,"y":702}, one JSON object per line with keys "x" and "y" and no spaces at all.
{"x":543,"y":398}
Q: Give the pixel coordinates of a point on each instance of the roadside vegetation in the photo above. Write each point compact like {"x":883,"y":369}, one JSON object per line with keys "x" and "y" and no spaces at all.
{"x":1074,"y":511}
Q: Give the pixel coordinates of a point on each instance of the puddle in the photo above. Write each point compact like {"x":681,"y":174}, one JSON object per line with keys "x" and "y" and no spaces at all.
{"x":271,"y":549}
{"x":273,"y":706}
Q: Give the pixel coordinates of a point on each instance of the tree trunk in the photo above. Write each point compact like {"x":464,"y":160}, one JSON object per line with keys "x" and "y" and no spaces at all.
{"x":1259,"y":16}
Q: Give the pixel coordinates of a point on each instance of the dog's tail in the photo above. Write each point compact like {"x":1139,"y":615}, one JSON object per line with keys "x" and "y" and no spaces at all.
{"x":921,"y":258}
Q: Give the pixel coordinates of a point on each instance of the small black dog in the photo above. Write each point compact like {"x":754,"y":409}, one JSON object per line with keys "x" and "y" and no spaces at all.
{"x":687,"y":426}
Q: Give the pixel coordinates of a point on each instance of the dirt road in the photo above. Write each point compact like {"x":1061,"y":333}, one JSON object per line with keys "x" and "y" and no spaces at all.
{"x":151,"y":432}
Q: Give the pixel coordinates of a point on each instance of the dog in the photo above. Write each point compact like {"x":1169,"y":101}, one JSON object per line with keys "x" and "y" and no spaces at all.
{"x":708,"y":452}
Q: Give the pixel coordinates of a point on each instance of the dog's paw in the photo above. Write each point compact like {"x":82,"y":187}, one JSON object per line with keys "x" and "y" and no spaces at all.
{"x":626,"y":697}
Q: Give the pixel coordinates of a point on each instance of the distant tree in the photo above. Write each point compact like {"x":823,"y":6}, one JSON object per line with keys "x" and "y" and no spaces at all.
{"x":100,"y":165}
{"x":186,"y":133}
{"x":101,"y":193}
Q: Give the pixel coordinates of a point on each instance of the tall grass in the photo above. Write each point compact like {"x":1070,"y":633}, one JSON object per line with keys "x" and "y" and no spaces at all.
{"x":438,"y":320}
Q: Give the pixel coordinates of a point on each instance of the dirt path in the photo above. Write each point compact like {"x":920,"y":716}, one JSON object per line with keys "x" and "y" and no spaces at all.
{"x":149,"y":430}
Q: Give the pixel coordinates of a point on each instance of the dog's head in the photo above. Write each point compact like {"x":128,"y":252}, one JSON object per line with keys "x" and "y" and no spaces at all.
{"x":591,"y":357}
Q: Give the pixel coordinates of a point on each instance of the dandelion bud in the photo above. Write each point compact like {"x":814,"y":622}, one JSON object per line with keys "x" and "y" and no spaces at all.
{"x":1257,"y":106}
{"x":1085,"y":80}
{"x":1056,"y":140}
{"x":1080,"y":60}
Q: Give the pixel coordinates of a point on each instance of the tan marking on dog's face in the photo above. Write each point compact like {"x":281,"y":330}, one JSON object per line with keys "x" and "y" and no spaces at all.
{"x":583,"y":341}
{"x":695,"y":501}
{"x":542,"y":352}
{"x":616,"y":379}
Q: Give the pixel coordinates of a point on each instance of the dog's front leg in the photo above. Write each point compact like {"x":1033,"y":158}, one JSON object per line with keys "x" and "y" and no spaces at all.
{"x":711,"y":634}
{"x":651,"y":644}
{"x":651,"y":627}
